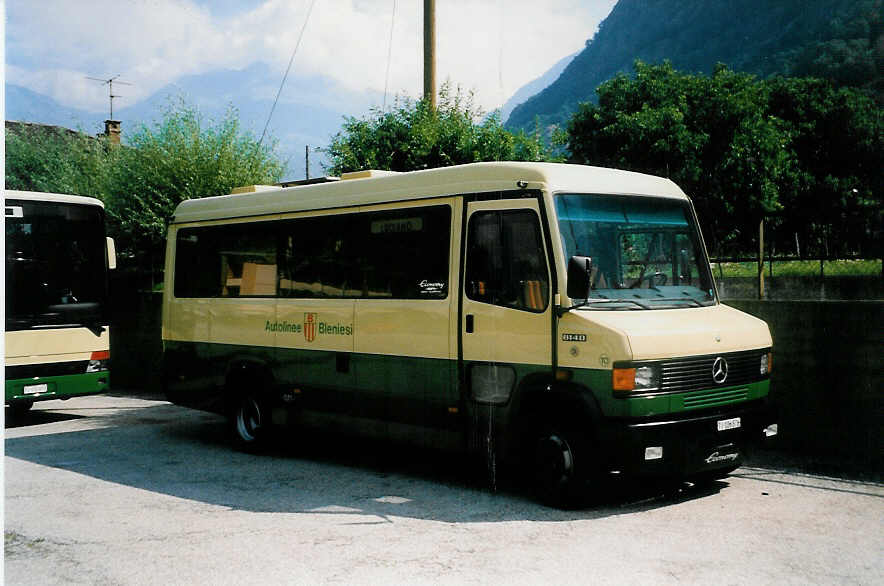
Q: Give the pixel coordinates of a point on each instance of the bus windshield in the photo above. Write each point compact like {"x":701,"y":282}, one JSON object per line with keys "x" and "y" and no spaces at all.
{"x":645,"y":252}
{"x":55,"y":265}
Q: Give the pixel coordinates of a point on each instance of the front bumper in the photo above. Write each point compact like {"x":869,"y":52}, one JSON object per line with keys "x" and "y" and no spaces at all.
{"x":691,"y":445}
{"x":45,"y":388}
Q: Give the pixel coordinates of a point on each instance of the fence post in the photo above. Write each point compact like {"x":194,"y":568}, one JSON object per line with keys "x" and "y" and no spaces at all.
{"x":761,"y":259}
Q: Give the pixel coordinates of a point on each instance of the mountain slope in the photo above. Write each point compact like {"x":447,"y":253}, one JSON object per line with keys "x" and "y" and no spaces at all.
{"x":534,"y":87}
{"x":757,"y":36}
{"x":24,"y":105}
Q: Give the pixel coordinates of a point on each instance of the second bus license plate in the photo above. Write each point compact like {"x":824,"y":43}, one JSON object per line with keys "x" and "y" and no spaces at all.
{"x":35,"y":389}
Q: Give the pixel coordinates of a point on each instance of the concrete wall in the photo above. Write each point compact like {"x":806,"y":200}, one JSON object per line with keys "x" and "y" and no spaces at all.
{"x":803,"y":288}
{"x":136,"y":340}
{"x":828,"y":377}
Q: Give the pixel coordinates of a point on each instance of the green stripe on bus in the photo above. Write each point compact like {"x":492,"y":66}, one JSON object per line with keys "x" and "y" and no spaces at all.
{"x":409,"y":382}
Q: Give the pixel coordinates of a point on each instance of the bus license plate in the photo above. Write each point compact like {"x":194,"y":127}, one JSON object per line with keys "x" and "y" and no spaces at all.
{"x":36,"y":389}
{"x":726,"y":424}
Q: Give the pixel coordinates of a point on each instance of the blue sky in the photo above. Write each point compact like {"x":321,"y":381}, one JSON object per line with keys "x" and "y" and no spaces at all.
{"x":492,"y":47}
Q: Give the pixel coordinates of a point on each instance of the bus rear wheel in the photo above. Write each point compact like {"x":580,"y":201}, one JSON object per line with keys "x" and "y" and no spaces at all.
{"x":249,"y":423}
{"x":560,"y":467}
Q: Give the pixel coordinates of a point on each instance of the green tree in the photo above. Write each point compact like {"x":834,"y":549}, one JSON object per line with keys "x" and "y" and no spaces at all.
{"x":182,"y":156}
{"x":837,"y":143}
{"x":709,"y":134}
{"x":413,"y":136}
{"x":801,"y":152}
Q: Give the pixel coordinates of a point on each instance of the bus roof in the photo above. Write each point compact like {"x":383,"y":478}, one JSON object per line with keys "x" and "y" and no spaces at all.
{"x":51,"y":197}
{"x":446,"y":181}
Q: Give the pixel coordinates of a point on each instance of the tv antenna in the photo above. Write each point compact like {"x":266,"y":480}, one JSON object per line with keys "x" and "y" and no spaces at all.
{"x":110,"y":90}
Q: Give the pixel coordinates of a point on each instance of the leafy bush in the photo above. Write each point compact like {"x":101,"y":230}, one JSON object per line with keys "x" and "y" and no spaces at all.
{"x":414,"y":136}
{"x":182,"y":156}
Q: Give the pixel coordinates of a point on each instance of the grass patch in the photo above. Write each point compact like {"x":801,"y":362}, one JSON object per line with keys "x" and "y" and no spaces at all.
{"x":802,"y":268}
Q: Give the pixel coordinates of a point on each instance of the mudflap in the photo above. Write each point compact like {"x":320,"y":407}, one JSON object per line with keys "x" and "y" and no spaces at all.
{"x":708,"y":457}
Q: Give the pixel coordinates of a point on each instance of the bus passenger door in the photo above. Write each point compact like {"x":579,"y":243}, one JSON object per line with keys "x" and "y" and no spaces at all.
{"x":505,"y":327}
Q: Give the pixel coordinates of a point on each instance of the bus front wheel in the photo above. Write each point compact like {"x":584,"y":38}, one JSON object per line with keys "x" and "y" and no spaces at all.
{"x":560,"y":467}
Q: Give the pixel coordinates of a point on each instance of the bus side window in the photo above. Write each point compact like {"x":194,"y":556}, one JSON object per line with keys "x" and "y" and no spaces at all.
{"x":315,"y":257}
{"x":404,"y":253}
{"x":226,"y":261}
{"x":192,"y":278}
{"x":248,"y":260}
{"x":506,"y":264}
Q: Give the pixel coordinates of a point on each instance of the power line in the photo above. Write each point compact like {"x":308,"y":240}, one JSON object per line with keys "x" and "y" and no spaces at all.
{"x":389,"y":54}
{"x":291,"y":60}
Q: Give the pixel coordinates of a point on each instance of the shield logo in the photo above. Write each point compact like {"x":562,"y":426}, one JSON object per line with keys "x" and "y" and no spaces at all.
{"x":310,"y":326}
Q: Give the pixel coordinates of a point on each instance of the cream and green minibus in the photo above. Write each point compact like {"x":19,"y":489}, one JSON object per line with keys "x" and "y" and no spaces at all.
{"x":57,"y":334}
{"x":560,"y":317}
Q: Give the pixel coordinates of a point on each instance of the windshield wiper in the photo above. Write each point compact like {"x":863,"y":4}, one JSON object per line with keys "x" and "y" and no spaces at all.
{"x":688,"y":299}
{"x":589,"y":303}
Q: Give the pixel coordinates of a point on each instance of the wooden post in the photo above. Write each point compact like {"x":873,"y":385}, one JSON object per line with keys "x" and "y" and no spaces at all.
{"x":430,"y":52}
{"x":306,"y":161}
{"x":761,"y":259}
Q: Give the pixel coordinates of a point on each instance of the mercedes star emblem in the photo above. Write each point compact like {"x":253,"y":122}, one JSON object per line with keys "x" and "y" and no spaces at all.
{"x":719,"y":370}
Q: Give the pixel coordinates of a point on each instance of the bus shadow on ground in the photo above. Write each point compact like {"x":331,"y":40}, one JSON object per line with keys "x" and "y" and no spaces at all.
{"x":36,"y":417}
{"x":186,"y":454}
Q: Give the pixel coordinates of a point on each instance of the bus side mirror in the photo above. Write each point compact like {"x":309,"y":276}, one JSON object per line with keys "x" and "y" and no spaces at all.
{"x":579,"y":273}
{"x":111,"y":253}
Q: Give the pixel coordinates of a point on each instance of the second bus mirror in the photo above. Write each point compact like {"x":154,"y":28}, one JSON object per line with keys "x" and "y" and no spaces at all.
{"x":579,"y":274}
{"x":111,"y":253}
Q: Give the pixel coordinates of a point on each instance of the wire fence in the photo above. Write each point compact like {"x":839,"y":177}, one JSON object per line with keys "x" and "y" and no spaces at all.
{"x":800,"y":278}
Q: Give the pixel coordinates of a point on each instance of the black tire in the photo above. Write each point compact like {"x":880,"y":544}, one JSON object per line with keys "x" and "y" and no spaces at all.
{"x":562,"y":468}
{"x":249,"y":423}
{"x":20,"y":407}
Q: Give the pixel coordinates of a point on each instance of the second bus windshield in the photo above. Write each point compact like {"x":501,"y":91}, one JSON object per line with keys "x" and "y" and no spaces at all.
{"x":642,"y":249}
{"x":55,"y":264}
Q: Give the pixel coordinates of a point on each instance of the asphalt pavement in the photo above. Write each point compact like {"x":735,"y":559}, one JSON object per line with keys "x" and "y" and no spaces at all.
{"x":133,"y":490}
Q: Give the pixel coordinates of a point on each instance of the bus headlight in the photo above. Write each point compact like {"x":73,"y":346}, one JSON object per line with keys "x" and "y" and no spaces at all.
{"x":636,"y":378}
{"x":766,"y":363}
{"x":647,"y":377}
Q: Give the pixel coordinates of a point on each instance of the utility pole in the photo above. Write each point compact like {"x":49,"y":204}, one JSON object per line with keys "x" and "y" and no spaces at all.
{"x":306,"y":161}
{"x":430,"y":52}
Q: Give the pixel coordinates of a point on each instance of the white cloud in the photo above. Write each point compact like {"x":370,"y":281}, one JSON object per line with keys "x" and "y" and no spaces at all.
{"x":492,"y":46}
{"x":54,"y":45}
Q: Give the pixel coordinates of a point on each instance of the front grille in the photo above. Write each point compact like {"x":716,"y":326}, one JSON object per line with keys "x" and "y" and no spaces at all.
{"x":711,"y":398}
{"x":46,"y":369}
{"x":684,"y":375}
